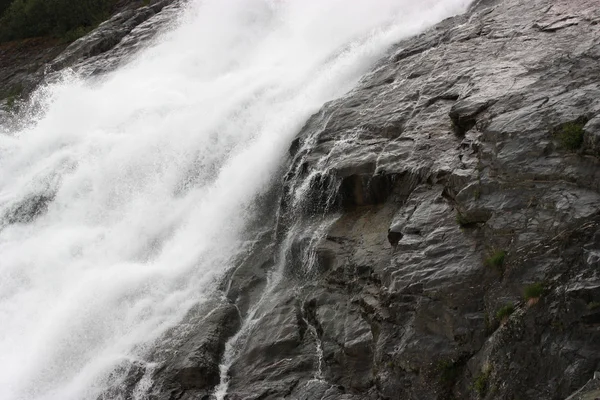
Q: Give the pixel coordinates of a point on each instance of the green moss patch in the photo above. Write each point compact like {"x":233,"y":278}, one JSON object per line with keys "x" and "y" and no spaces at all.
{"x":505,"y":312}
{"x":570,"y":134}
{"x":481,"y":383}
{"x":533,"y":291}
{"x":496,"y":259}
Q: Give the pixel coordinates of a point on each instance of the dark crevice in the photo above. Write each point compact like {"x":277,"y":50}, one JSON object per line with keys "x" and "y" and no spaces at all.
{"x":447,"y":97}
{"x":361,"y":190}
{"x":464,"y":115}
{"x":394,"y":237}
{"x":294,"y":146}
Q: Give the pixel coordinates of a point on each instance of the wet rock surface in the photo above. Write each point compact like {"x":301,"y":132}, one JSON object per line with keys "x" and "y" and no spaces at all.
{"x":462,"y":178}
{"x":186,"y":365}
{"x":193,"y":370}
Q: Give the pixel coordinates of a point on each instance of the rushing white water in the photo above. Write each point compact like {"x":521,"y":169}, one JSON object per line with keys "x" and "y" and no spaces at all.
{"x":154,"y":170}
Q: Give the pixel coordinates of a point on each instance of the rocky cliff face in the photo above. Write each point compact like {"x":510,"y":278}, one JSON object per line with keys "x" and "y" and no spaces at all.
{"x":437,"y":232}
{"x":455,"y":197}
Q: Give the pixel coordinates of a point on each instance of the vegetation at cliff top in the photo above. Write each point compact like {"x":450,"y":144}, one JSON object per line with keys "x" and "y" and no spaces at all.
{"x":4,"y":5}
{"x":66,"y":19}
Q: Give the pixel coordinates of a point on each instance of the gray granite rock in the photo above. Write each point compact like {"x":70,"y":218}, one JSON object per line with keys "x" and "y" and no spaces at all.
{"x":445,"y":156}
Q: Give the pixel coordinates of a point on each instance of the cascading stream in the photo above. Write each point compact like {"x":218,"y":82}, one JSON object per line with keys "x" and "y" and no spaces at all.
{"x":122,"y":203}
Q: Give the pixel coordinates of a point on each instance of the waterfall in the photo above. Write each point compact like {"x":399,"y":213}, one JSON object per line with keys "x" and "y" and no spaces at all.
{"x":124,"y":198}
